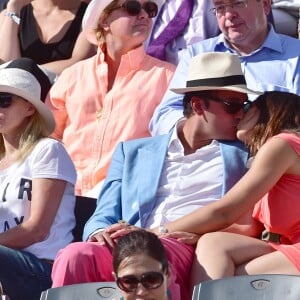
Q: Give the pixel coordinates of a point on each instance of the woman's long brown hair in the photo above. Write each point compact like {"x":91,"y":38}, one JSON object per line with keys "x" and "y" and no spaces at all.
{"x":279,"y":111}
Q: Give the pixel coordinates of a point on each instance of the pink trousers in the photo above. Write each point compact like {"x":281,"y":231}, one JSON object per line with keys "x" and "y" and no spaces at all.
{"x":91,"y":262}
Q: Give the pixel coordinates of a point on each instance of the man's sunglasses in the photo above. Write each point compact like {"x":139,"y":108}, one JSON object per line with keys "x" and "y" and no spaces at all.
{"x":149,"y":280}
{"x":134,"y":8}
{"x":5,"y":100}
{"x":232,"y":106}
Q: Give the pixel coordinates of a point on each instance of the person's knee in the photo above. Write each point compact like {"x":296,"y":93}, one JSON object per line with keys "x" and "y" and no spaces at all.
{"x":78,"y":253}
{"x":82,"y":262}
{"x":72,"y":251}
{"x":209,"y":240}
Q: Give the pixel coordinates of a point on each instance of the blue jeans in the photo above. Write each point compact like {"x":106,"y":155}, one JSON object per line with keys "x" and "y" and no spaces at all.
{"x":23,"y":275}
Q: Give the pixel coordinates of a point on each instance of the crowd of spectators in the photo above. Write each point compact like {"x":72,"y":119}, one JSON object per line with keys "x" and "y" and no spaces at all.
{"x":138,"y":104}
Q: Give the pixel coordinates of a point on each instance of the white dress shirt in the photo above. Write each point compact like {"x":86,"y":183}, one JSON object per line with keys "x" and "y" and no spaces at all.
{"x":187,"y":182}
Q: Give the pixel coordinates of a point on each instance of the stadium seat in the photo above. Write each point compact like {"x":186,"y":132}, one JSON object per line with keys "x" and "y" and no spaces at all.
{"x":84,"y":208}
{"x":250,"y":287}
{"x":83,"y":291}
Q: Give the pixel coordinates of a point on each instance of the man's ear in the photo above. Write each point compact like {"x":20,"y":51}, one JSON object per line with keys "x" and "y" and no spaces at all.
{"x":267,"y":6}
{"x":197,"y":105}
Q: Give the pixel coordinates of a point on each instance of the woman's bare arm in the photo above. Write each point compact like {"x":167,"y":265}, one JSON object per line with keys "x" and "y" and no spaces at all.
{"x":46,"y":198}
{"x":274,"y":159}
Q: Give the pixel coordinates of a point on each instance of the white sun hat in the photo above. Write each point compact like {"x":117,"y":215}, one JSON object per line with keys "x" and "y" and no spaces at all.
{"x":24,"y":78}
{"x":92,"y":15}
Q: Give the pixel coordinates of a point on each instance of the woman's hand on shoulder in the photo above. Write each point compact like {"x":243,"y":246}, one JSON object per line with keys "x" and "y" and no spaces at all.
{"x":184,"y":237}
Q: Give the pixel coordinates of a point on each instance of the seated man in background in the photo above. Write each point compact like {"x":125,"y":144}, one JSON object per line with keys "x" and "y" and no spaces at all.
{"x":152,"y":181}
{"x":270,"y":61}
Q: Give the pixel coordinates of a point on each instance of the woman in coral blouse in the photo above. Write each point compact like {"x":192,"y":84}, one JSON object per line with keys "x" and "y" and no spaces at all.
{"x":111,"y":96}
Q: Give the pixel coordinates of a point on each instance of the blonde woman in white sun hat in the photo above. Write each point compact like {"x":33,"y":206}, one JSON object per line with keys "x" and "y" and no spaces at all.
{"x":110,"y":97}
{"x":37,"y":180}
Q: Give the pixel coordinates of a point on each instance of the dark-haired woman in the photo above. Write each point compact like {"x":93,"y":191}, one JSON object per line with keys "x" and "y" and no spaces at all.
{"x":141,"y":266}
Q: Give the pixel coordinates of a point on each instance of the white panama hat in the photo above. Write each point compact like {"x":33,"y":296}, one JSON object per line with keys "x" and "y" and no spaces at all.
{"x":215,"y":71}
{"x":92,"y":15}
{"x":24,"y":78}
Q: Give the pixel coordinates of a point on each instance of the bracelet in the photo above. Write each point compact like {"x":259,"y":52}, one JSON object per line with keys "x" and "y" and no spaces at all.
{"x":15,"y":17}
{"x":123,"y":222}
{"x":162,"y":229}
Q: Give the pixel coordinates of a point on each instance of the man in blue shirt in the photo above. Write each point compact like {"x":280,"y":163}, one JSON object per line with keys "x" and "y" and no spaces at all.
{"x":270,"y":61}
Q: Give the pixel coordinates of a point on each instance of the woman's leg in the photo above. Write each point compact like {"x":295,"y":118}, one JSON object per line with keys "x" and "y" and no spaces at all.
{"x":218,"y":254}
{"x":82,"y":262}
{"x":180,"y":257}
{"x":22,"y":275}
{"x":272,"y":263}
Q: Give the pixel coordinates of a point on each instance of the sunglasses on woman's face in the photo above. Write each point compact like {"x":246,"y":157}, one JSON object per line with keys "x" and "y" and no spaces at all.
{"x":149,"y":280}
{"x":134,"y":8}
{"x":5,"y":100}
{"x":233,"y":106}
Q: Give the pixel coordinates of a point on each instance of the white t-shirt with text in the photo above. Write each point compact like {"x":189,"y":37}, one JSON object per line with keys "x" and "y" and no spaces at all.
{"x":48,"y":159}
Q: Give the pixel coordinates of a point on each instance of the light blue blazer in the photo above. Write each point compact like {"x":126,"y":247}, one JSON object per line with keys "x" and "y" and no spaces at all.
{"x":129,"y":191}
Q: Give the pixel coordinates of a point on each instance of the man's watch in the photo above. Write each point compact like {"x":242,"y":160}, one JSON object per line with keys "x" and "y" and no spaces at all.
{"x":162,"y":229}
{"x":14,"y":16}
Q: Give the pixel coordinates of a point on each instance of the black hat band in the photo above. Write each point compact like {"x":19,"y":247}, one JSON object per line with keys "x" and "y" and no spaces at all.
{"x":221,"y":81}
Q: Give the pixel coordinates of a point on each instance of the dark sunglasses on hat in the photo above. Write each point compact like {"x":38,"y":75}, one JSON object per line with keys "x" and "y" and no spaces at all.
{"x":149,"y":280}
{"x":233,"y":106}
{"x":134,"y":8}
{"x":5,"y":100}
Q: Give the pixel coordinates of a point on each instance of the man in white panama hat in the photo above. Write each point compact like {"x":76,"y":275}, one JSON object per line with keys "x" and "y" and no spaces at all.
{"x":154,"y":180}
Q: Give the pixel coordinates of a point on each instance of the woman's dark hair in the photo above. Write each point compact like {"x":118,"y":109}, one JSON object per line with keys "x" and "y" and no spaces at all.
{"x":139,"y":242}
{"x":279,"y":111}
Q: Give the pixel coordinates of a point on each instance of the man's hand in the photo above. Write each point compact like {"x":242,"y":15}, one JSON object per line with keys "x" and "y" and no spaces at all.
{"x":102,"y":237}
{"x":110,"y":235}
{"x":120,"y":229}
